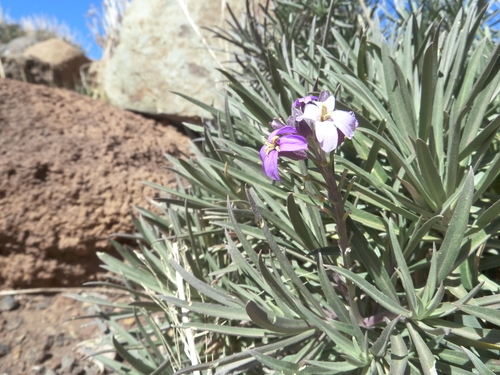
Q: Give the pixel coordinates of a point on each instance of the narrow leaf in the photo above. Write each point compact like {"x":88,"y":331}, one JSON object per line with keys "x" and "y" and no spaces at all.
{"x":274,"y":323}
{"x":136,"y":363}
{"x":373,"y":292}
{"x":399,"y":355}
{"x":450,"y":248}
{"x":491,"y":315}
{"x":300,"y":227}
{"x":333,"y":300}
{"x":427,"y":360}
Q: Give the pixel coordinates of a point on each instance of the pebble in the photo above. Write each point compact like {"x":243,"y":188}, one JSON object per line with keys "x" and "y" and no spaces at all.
{"x":8,"y":303}
{"x":4,"y":350}
{"x":16,"y":352}
{"x":38,"y":369}
{"x":13,"y":323}
{"x":19,"y":339}
{"x":49,"y":372}
{"x":67,"y":362}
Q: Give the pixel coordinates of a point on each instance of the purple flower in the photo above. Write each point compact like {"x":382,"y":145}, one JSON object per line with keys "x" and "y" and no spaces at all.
{"x":301,"y":102}
{"x":330,"y":126}
{"x":277,"y":123}
{"x":282,"y":142}
{"x":298,"y":106}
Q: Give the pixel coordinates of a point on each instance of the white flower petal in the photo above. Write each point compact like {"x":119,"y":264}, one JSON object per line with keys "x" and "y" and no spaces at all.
{"x":327,"y":135}
{"x":311,"y":112}
{"x":330,"y":103}
{"x":345,"y":122}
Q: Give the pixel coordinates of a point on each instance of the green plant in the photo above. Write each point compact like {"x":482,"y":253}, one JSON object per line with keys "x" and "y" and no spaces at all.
{"x":381,"y":257}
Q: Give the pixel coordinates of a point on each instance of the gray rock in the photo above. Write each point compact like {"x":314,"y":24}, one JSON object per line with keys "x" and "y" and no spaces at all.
{"x":38,"y":369}
{"x":67,"y":363}
{"x":4,"y":350}
{"x":8,"y":303}
{"x":14,"y":323}
{"x":160,"y":52}
{"x":27,"y":69}
{"x":34,"y":356}
{"x":17,"y":45}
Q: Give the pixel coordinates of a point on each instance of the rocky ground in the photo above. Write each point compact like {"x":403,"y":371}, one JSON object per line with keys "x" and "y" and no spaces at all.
{"x":39,"y":337}
{"x":70,"y":173}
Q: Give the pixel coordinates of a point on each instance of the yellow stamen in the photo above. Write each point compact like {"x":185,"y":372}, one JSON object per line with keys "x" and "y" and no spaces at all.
{"x":325,"y":115}
{"x":273,"y":145}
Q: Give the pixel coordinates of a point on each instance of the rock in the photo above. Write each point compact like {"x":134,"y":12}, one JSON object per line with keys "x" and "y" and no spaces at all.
{"x":38,"y":369}
{"x":35,"y":355}
{"x":160,"y":52}
{"x":16,"y":353}
{"x":4,"y":350}
{"x":67,"y":363}
{"x":17,"y":45}
{"x":61,"y":340}
{"x":70,"y":171}
{"x":14,"y":323}
{"x":8,"y":303}
{"x":27,"y":69}
{"x":91,"y":370}
{"x":64,"y":59}
{"x":93,"y":78}
{"x":19,"y":339}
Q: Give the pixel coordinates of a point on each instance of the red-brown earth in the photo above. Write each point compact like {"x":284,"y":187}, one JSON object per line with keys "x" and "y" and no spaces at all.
{"x":70,"y":172}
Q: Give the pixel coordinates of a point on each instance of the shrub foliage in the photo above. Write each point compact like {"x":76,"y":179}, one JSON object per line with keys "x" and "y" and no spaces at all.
{"x":233,"y":272}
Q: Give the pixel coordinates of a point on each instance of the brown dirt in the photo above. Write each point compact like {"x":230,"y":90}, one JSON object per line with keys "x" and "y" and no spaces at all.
{"x":40,"y":337}
{"x":70,"y":171}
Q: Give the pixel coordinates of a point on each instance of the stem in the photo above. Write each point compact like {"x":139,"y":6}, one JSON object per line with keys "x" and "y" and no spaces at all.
{"x":335,"y":196}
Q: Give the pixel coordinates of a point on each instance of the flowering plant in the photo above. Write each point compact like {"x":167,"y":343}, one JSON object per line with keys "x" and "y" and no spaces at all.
{"x":310,"y":112}
{"x":381,"y":257}
{"x":285,"y":142}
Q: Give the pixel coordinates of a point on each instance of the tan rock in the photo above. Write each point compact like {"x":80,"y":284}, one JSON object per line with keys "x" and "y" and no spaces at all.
{"x":64,"y":58}
{"x":164,"y":47}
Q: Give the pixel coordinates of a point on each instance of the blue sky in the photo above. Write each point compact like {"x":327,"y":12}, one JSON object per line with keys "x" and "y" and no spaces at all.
{"x":71,"y":12}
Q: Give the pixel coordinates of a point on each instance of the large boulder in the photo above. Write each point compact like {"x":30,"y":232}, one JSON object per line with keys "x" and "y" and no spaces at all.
{"x":22,"y":68}
{"x":64,"y":59}
{"x":27,"y":69}
{"x":17,"y":45}
{"x":70,"y":171}
{"x":165,"y":47}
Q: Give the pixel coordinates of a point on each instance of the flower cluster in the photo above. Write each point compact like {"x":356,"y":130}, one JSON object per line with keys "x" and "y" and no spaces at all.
{"x":311,"y":115}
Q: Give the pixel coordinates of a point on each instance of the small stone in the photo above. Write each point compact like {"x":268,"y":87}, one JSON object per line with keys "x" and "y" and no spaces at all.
{"x":49,"y":372}
{"x":16,"y":352}
{"x":62,"y":340}
{"x":92,"y":370}
{"x":38,"y":369}
{"x":8,"y":303}
{"x":67,"y":362}
{"x":4,"y":350}
{"x":13,"y":323}
{"x":42,"y":303}
{"x":79,"y":370}
{"x":35,"y":356}
{"x":19,"y":339}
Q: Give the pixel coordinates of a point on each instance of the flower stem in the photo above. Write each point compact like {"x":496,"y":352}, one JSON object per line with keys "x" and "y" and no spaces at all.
{"x":335,"y":197}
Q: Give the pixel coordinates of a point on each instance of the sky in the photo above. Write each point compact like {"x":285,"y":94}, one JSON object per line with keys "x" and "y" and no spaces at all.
{"x":71,"y":12}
